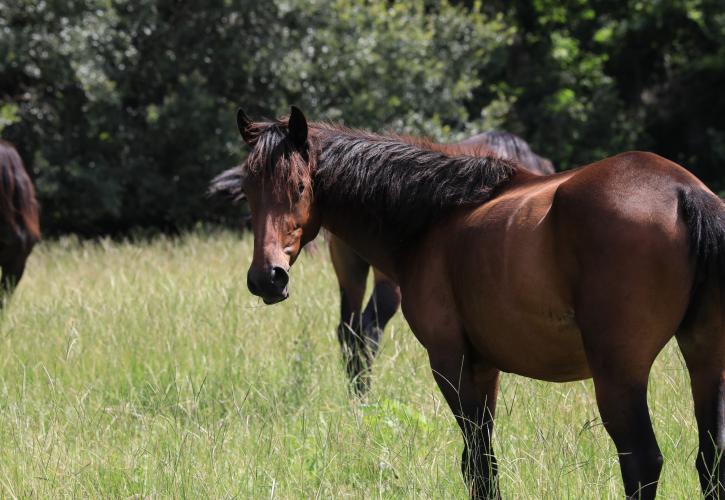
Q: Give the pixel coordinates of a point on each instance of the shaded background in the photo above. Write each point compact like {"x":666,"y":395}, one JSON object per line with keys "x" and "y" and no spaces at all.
{"x":123,"y":110}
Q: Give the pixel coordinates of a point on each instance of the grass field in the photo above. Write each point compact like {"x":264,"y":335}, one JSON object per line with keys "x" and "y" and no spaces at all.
{"x":148,"y":370}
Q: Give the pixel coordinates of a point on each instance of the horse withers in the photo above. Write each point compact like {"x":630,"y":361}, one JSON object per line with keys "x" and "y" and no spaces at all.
{"x":19,"y":225}
{"x":585,"y":273}
{"x":360,"y":330}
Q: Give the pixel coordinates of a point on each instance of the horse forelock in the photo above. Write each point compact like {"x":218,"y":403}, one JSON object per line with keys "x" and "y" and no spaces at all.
{"x":275,"y":159}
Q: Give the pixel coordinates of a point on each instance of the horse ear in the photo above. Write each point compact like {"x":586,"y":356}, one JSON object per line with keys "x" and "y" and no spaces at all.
{"x":243,"y":123}
{"x":297,"y":127}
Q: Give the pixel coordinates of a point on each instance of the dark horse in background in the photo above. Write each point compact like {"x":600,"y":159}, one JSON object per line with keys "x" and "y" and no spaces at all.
{"x":19,"y":226}
{"x":360,"y":331}
{"x":585,"y":273}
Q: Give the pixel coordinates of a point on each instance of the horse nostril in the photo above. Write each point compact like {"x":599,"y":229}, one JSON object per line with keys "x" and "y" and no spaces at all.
{"x":279,"y":277}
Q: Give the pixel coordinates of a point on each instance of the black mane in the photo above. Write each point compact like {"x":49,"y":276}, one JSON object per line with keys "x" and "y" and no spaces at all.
{"x":404,"y":186}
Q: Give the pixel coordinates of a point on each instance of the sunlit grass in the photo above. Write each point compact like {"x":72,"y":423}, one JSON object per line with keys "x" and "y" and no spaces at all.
{"x":148,"y":369}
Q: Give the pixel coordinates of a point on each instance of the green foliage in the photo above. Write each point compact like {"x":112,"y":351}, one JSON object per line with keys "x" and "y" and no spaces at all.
{"x":382,"y":64}
{"x":124,"y":109}
{"x":593,"y":78}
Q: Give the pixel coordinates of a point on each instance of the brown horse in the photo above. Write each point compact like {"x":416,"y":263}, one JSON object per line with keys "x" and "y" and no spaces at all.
{"x":585,"y":273}
{"x":19,"y":226}
{"x":360,"y":331}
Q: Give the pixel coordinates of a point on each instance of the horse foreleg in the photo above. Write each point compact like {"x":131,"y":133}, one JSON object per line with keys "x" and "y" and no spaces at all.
{"x":470,"y":390}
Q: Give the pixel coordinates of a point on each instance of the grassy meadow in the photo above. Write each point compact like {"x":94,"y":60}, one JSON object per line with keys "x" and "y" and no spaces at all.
{"x":148,"y":370}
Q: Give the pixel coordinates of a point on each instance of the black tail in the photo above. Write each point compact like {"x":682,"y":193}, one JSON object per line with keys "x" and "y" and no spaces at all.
{"x":704,"y":216}
{"x":228,"y":183}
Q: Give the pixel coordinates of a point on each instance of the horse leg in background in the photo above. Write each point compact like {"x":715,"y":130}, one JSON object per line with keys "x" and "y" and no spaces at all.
{"x":383,"y":304}
{"x":12,"y":271}
{"x":351,"y":271}
{"x":702,"y":344}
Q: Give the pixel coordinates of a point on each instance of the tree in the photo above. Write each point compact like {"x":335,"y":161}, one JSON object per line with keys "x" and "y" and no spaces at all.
{"x":124,"y":109}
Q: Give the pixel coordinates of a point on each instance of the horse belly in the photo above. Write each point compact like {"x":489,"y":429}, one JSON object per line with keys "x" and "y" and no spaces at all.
{"x":514,"y":298}
{"x":544,"y":343}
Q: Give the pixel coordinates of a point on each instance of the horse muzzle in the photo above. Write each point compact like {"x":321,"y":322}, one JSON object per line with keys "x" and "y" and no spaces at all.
{"x":269,"y":283}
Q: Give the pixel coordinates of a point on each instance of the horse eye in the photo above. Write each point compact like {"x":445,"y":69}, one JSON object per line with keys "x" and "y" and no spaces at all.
{"x":301,"y":188}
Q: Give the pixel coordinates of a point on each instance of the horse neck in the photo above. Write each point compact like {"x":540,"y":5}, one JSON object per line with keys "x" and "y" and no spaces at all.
{"x":366,"y":208}
{"x":352,"y":224}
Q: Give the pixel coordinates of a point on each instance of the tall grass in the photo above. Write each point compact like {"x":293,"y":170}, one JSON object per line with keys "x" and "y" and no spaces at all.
{"x":148,"y":370}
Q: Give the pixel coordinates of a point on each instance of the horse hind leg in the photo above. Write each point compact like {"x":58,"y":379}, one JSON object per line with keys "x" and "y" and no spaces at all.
{"x":702,"y":342}
{"x":351,"y":271}
{"x":381,"y":307}
{"x":702,"y":335}
{"x":625,"y":414}
{"x":621,"y":339}
{"x":620,"y":383}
